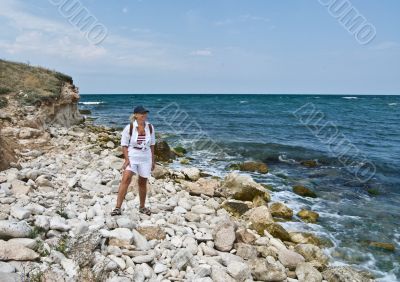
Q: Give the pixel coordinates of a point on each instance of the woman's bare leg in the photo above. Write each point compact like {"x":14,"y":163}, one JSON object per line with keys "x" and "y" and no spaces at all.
{"x":142,"y":190}
{"x":123,"y":186}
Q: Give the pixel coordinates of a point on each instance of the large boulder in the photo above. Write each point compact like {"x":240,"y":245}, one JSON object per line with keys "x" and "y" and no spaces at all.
{"x":10,"y":229}
{"x":280,"y":210}
{"x":162,"y":151}
{"x":277,"y":231}
{"x":260,"y":218}
{"x":16,"y":251}
{"x":243,"y":187}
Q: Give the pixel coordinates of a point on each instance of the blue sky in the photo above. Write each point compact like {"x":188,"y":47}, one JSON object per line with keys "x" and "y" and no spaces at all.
{"x":209,"y":46}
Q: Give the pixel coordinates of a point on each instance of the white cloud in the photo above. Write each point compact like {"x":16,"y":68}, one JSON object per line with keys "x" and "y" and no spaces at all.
{"x":202,"y":52}
{"x":35,"y":36}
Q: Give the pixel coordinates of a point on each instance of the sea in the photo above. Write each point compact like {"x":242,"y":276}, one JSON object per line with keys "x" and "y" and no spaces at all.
{"x":351,"y":141}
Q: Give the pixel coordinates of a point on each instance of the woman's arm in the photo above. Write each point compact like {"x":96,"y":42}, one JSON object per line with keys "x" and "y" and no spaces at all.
{"x":152,"y":145}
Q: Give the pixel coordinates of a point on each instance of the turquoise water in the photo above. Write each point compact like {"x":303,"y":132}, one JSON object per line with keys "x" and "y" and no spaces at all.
{"x":357,"y":179}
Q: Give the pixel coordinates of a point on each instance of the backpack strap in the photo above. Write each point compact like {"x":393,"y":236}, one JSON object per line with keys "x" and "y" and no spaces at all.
{"x":130,"y":129}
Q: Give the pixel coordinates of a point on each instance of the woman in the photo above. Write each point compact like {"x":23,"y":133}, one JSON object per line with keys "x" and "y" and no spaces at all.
{"x":138,"y":152}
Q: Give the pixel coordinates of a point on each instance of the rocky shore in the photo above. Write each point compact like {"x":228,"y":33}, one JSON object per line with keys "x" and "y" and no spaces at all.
{"x":59,"y":176}
{"x":55,"y":221}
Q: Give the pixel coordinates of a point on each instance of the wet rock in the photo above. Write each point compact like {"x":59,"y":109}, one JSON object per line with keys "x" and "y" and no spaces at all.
{"x":304,"y":191}
{"x":280,"y":210}
{"x":308,"y":216}
{"x":309,"y":163}
{"x":251,"y":166}
{"x":277,"y":231}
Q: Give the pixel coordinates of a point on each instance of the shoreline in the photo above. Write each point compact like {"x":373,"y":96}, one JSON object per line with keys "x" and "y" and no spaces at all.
{"x":192,"y":228}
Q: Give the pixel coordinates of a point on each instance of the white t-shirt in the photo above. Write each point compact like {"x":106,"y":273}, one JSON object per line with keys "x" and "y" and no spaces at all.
{"x":138,"y":156}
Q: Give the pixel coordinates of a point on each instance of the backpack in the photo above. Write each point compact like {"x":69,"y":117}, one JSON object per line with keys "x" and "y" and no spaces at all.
{"x":131,"y":128}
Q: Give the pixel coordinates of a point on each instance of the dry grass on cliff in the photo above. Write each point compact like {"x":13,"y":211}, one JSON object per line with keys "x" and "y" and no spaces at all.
{"x":30,"y":85}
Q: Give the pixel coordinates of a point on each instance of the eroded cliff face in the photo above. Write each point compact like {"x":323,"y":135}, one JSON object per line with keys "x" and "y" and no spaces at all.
{"x":24,"y":129}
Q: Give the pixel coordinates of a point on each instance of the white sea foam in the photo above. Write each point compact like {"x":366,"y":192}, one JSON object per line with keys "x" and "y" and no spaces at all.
{"x":392,"y":104}
{"x":350,"y":97}
{"x":91,"y":103}
{"x":282,"y":158}
{"x":242,"y":102}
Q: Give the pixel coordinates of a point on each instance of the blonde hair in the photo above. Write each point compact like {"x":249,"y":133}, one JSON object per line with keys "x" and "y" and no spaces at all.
{"x":132,"y":118}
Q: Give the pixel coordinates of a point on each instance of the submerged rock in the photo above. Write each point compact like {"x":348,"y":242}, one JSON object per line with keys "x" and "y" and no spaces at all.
{"x":250,"y":166}
{"x":383,"y":245}
{"x":308,"y":216}
{"x":304,"y":191}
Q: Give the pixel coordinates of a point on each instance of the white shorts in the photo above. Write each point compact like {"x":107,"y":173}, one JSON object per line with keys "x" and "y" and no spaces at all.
{"x":143,"y":169}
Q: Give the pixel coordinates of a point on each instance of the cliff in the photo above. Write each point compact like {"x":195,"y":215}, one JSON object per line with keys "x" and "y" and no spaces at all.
{"x":31,"y":99}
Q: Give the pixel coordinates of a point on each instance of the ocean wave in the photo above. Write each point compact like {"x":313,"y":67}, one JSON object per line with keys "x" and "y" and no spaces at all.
{"x":349,"y":97}
{"x":244,"y":101}
{"x":392,"y":104}
{"x":91,"y":103}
